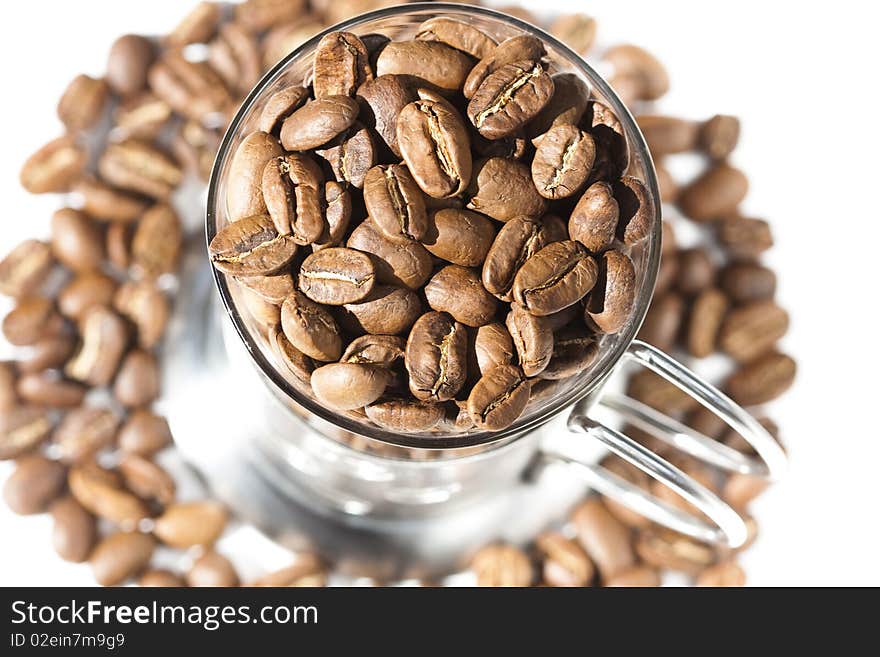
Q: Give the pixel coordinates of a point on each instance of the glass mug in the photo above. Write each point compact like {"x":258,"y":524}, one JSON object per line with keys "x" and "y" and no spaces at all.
{"x":340,"y":462}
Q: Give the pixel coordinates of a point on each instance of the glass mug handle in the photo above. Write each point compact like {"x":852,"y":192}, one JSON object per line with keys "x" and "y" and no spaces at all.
{"x":729,"y":528}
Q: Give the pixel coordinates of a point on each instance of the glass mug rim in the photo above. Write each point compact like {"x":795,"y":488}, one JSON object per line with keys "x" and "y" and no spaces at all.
{"x":608,"y":361}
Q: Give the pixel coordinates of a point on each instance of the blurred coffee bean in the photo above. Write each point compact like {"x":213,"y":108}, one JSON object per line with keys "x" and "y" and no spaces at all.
{"x":33,"y":484}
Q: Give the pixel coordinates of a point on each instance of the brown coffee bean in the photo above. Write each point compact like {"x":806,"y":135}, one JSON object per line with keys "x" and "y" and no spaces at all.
{"x":77,"y":242}
{"x":146,"y":479}
{"x":493,"y":346}
{"x":707,"y":314}
{"x":318,"y":122}
{"x":574,"y":350}
{"x":31,"y":319}
{"x":121,"y":556}
{"x":107,"y":203}
{"x":244,"y":195}
{"x":273,"y":288}
{"x":658,"y":393}
{"x":638,"y":64}
{"x":293,"y":191}
{"x":283,"y":39}
{"x":436,"y":357}
{"x":434,"y":143}
{"x":740,"y":490}
{"x":104,"y":340}
{"x":514,"y":49}
{"x":387,"y":310}
{"x":637,"y":576}
{"x":747,"y":281}
{"x":187,"y":524}
{"x":715,"y":194}
{"x":612,"y":154}
{"x":458,"y":291}
{"x":564,"y":562}
{"x":342,"y":65}
{"x":562,"y":161}
{"x":405,"y":415}
{"x":137,"y":383}
{"x":436,"y":63}
{"x":155,"y":246}
{"x":54,"y":167}
{"x":351,"y":155}
{"x":532,"y":338}
{"x":266,"y":314}
{"x":146,"y":306}
{"x":84,"y":431}
{"x":632,"y":475}
{"x":502,"y":566}
{"x":517,"y":241}
{"x":82,"y":104}
{"x":752,"y":330}
{"x":667,"y":135}
{"x":499,"y":398}
{"x":458,"y":34}
{"x":292,"y":359}
{"x":404,"y":264}
{"x":337,"y":276}
{"x":160,"y":578}
{"x":8,"y":396}
{"x":144,"y":433}
{"x":85,"y":291}
{"x":669,"y":188}
{"x":669,"y":550}
{"x":719,"y":136}
{"x":636,"y":210}
{"x":375,"y":349}
{"x":130,"y":58}
{"x":25,"y":268}
{"x":49,"y":389}
{"x":22,"y":428}
{"x":744,"y":238}
{"x":139,"y":167}
{"x":509,"y":98}
{"x":142,"y":116}
{"x":696,"y":271}
{"x":604,"y":538}
{"x":279,"y":106}
{"x":74,"y":530}
{"x":235,"y":55}
{"x":503,"y":189}
{"x":567,"y":106}
{"x":395,"y":203}
{"x":613,"y":297}
{"x":212,"y":569}
{"x":346,"y":386}
{"x":251,"y":247}
{"x":100,"y":491}
{"x":193,"y":89}
{"x":337,"y":215}
{"x":307,"y":570}
{"x":198,"y":26}
{"x":259,"y":15}
{"x":34,"y":484}
{"x":762,"y":380}
{"x":310,"y":328}
{"x":593,"y":221}
{"x":557,"y":276}
{"x":381,"y":100}
{"x":459,"y":236}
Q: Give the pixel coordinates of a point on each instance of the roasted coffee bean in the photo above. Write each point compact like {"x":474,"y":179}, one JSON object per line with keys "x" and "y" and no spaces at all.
{"x":593,"y":222}
{"x":337,"y":215}
{"x":563,"y":561}
{"x":244,"y":196}
{"x":493,"y":346}
{"x":31,"y":319}
{"x":577,"y":31}
{"x":50,"y":352}
{"x":235,"y":55}
{"x":22,"y":428}
{"x":715,"y":194}
{"x":459,"y":236}
{"x":636,"y":210}
{"x":198,"y":26}
{"x":212,"y":569}
{"x":395,"y":203}
{"x":251,"y":247}
{"x":375,"y":350}
{"x":144,"y":433}
{"x":25,"y":268}
{"x":744,"y":238}
{"x":436,"y":63}
{"x":630,"y":474}
{"x":707,"y":314}
{"x":337,"y":276}
{"x":643,"y":68}
{"x":513,"y":146}
{"x":129,"y":60}
{"x":281,"y":105}
{"x":502,"y":566}
{"x":387,"y":310}
{"x":187,"y":524}
{"x":458,"y":291}
{"x":292,"y":359}
{"x":405,"y":415}
{"x":159,"y":577}
{"x":499,"y":398}
{"x":406,"y":264}
{"x":668,"y":135}
{"x":74,"y":530}
{"x":85,"y":291}
{"x":740,"y":489}
{"x":143,"y":116}
{"x":669,"y":188}
{"x":146,"y":306}
{"x":193,"y":89}
{"x":121,"y":556}
{"x":34,"y":484}
{"x":107,"y":203}
{"x":637,"y":576}
{"x":308,"y":570}
{"x":381,"y":100}
{"x":574,"y":350}
{"x":436,"y":357}
{"x":532,"y":338}
{"x":82,"y":104}
{"x":155,"y":246}
{"x":104,"y":340}
{"x":509,"y":98}
{"x":669,"y":550}
{"x":719,"y":136}
{"x":557,"y":276}
{"x":658,"y":393}
{"x":612,"y":154}
{"x":604,"y":538}
{"x":283,"y":39}
{"x":310,"y":328}
{"x":293,"y":191}
{"x":342,"y":64}
{"x":259,"y":15}
{"x":434,"y":143}
{"x":458,"y":34}
{"x":77,"y":242}
{"x":351,"y":155}
{"x":100,"y":491}
{"x":514,"y":49}
{"x":195,"y":147}
{"x":139,"y":167}
{"x":562,"y":161}
{"x":84,"y":431}
{"x":8,"y":396}
{"x":273,"y":288}
{"x":146,"y":479}
{"x":54,"y":167}
{"x":747,"y":281}
{"x":752,"y":330}
{"x":267,"y":315}
{"x":318,"y":122}
{"x":49,"y":389}
{"x":613,"y":297}
{"x":137,"y":383}
{"x":503,"y":189}
{"x":567,"y":106}
{"x":347,"y":386}
{"x":696,"y":271}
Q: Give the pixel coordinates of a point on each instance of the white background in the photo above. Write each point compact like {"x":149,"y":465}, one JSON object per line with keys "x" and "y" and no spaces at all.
{"x":803,"y":78}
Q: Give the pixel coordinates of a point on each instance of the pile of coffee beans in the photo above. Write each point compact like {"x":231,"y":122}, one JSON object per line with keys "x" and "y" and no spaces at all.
{"x":91,"y":303}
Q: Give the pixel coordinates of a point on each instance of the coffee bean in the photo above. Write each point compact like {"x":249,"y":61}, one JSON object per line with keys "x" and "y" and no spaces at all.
{"x":74,"y":530}
{"x":636,"y":210}
{"x":612,"y":300}
{"x":557,"y":276}
{"x":395,"y":203}
{"x":101,"y":201}
{"x":84,"y":431}
{"x":161,"y":577}
{"x":82,"y":104}
{"x":266,"y":314}
{"x":310,"y":328}
{"x":458,"y":291}
{"x":668,"y":135}
{"x":405,"y":415}
{"x":187,"y":524}
{"x":707,"y":314}
{"x":212,"y":569}
{"x":719,"y":136}
{"x":251,"y":247}
{"x":100,"y":491}
{"x":434,"y":143}
{"x":593,"y":221}
{"x":564,"y":562}
{"x":436,"y":63}
{"x":346,"y":386}
{"x":612,"y":154}
{"x":77,"y":242}
{"x":532,"y":338}
{"x":198,"y":26}
{"x":193,"y":89}
{"x":283,"y":39}
{"x":744,"y":238}
{"x":137,"y":382}
{"x":259,"y":15}
{"x":577,"y":31}
{"x":655,"y":391}
{"x":404,"y":264}
{"x":49,"y":389}
{"x":54,"y":167}
{"x":147,"y":479}
{"x":502,"y":565}
{"x":293,"y":360}
{"x":375,"y":349}
{"x":696,"y":271}
{"x":144,"y":433}
{"x":8,"y":396}
{"x":244,"y":195}
{"x":351,"y":155}
{"x":498,"y":398}
{"x":436,"y":357}
{"x":34,"y":483}
{"x":31,"y":319}
{"x":503,"y":189}
{"x":155,"y":246}
{"x":273,"y":288}
{"x":510,"y":97}
{"x":318,"y":122}
{"x":740,"y":489}
{"x":630,"y":474}
{"x":669,"y":550}
{"x":235,"y":55}
{"x":459,"y":236}
{"x":86,"y":291}
{"x":138,"y":167}
{"x":637,"y":576}
{"x":746,"y":281}
{"x":337,"y":215}
{"x":387,"y":310}
{"x":715,"y":194}
{"x":308,"y":570}
{"x":493,"y":346}
{"x":293,"y":187}
{"x":603,"y":537}
{"x":142,"y":116}
{"x":762,"y":380}
{"x":752,"y":330}
{"x":517,"y":48}
{"x":381,"y":100}
{"x":337,"y":276}
{"x":281,"y":105}
{"x":104,"y":340}
{"x":458,"y":34}
{"x":562,"y":161}
{"x":121,"y":556}
{"x":669,"y":188}
{"x":25,"y":268}
{"x":129,"y":60}
{"x":22,"y":428}
{"x":638,"y":64}
{"x":341,"y":65}
{"x":574,"y":350}
{"x":146,"y":306}
{"x":566,"y":107}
